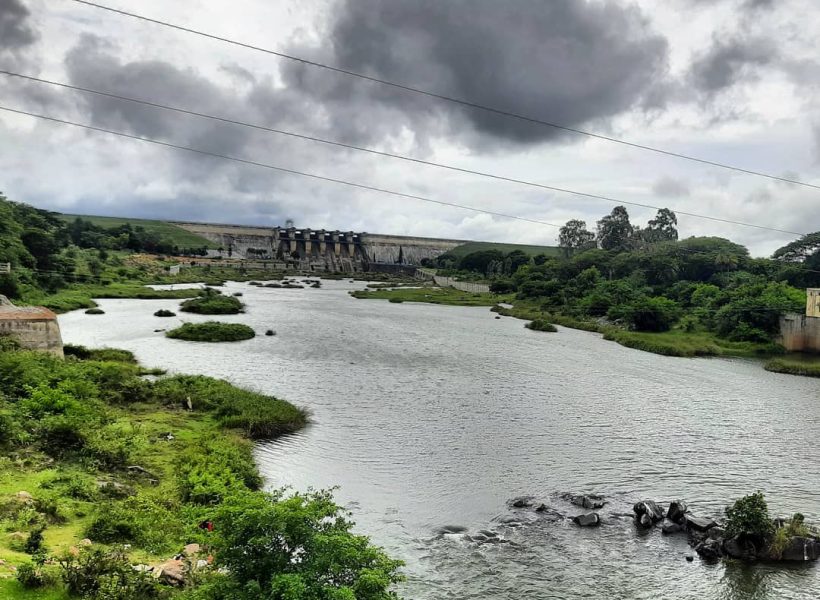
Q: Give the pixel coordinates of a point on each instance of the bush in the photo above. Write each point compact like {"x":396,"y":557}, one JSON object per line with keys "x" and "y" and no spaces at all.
{"x":100,"y":574}
{"x":212,"y":331}
{"x":95,"y":311}
{"x":749,"y":516}
{"x":541,"y":325}
{"x":31,"y":576}
{"x":165,"y":313}
{"x":647,"y":313}
{"x":34,"y":543}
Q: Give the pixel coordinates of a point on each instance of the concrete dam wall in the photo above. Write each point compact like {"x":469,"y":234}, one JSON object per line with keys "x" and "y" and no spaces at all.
{"x":33,"y":327}
{"x":800,"y":333}
{"x":319,"y":250}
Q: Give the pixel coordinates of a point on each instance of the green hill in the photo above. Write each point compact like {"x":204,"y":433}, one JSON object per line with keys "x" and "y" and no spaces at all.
{"x":471,"y":247}
{"x":179,"y":236}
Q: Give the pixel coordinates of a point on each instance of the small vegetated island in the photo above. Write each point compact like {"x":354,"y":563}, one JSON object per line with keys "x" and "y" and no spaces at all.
{"x":212,"y":302}
{"x":212,"y":331}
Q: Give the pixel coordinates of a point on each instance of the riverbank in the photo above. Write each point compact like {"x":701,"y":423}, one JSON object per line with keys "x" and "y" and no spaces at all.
{"x":804,"y":367}
{"x":95,"y":458}
{"x":675,"y":342}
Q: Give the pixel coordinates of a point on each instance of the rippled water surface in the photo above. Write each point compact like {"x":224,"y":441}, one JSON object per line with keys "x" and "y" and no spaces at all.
{"x":430,"y":416}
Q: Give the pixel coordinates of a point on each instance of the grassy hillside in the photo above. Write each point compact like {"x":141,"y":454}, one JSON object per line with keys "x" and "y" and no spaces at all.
{"x":179,"y":236}
{"x":470,"y":247}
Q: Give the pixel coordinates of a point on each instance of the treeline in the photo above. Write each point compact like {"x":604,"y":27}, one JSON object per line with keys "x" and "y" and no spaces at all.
{"x":647,"y":280}
{"x":48,"y":253}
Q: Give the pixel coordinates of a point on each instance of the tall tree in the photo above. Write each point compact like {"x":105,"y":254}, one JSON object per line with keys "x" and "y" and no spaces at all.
{"x":615,"y":230}
{"x":663,"y":228}
{"x":804,"y":250}
{"x":575,"y":236}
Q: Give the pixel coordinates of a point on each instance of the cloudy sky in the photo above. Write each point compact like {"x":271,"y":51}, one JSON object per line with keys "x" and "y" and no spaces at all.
{"x":733,"y":81}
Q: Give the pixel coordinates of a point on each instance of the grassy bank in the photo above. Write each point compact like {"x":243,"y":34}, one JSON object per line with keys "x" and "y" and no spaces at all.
{"x":448,"y":296}
{"x":805,"y":367}
{"x":82,"y":296}
{"x":90,"y":450}
{"x":669,"y":343}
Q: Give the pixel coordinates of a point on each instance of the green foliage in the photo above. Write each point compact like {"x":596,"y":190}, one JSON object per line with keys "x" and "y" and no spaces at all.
{"x":259,"y":416}
{"x":32,"y":576}
{"x":214,"y":469}
{"x":299,"y":547}
{"x":647,"y":313}
{"x":165,"y":313}
{"x":211,"y":331}
{"x":34,"y":543}
{"x":99,"y":354}
{"x":148,"y":520}
{"x":749,"y":516}
{"x":99,"y":574}
{"x":211,"y":302}
{"x":95,"y":311}
{"x":541,"y":325}
{"x":794,"y":527}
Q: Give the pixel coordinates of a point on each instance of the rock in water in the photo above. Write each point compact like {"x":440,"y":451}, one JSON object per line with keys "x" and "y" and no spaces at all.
{"x":587,"y":520}
{"x":698,"y":523}
{"x":670,"y":527}
{"x":676,"y":511}
{"x":645,"y":521}
{"x":647,"y":509}
{"x":594,"y":502}
{"x":801,"y":549}
{"x":522,"y":502}
{"x":739,"y":548}
{"x":709,"y":549}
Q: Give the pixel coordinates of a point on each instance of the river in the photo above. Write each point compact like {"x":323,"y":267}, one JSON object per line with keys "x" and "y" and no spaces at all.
{"x":428,"y":416}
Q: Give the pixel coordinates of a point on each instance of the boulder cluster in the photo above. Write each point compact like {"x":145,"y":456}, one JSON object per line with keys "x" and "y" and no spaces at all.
{"x":712,"y":542}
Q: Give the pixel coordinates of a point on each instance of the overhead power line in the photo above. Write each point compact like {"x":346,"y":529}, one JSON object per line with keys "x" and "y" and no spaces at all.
{"x":276,"y":168}
{"x":445,"y":98}
{"x":381,"y":153}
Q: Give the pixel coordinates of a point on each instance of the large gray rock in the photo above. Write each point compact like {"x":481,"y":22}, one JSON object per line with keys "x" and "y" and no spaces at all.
{"x":699,"y":523}
{"x":587,"y":520}
{"x":801,"y":549}
{"x":677,"y":510}
{"x":644,"y":521}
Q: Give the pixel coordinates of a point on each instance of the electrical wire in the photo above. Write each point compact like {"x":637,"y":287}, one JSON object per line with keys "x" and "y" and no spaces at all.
{"x":451,"y":99}
{"x":378,"y":152}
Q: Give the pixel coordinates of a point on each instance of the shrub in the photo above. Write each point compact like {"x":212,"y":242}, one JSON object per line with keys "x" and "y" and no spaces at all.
{"x":30,"y":575}
{"x":212,"y":331}
{"x":647,"y":313}
{"x":541,"y":325}
{"x":396,"y":300}
{"x":95,"y":311}
{"x":165,"y":313}
{"x":100,"y":574}
{"x":34,"y":543}
{"x":749,"y":516}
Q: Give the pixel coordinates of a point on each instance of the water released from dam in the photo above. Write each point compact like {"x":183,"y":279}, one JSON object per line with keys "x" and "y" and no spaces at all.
{"x":429,"y":417}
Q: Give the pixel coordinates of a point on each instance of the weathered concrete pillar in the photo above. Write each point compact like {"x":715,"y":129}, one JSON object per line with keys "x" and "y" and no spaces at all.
{"x":337,"y":247}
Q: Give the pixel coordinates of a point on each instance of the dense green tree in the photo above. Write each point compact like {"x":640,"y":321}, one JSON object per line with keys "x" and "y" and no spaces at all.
{"x":574,"y":237}
{"x":663,"y":228}
{"x":615,"y":230}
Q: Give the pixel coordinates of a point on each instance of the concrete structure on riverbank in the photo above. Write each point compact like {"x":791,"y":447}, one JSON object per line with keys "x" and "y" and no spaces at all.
{"x":291,"y":248}
{"x":801,"y":333}
{"x":33,"y":327}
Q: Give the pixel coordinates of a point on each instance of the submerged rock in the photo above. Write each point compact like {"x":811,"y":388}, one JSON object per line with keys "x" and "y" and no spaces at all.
{"x":669,"y":527}
{"x":521,"y":502}
{"x":588,"y":501}
{"x":587,"y":520}
{"x":450,"y":529}
{"x":709,"y":549}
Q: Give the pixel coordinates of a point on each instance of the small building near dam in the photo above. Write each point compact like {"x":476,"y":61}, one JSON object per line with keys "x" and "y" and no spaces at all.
{"x":801,"y":333}
{"x":33,"y":327}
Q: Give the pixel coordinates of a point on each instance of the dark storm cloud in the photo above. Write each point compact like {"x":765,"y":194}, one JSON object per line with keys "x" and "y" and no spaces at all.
{"x":564,"y":61}
{"x":730,"y":61}
{"x":15,"y":31}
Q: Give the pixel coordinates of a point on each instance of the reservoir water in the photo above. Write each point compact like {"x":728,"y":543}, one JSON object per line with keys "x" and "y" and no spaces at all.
{"x":429,"y":416}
